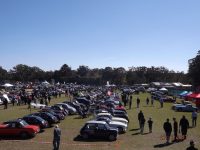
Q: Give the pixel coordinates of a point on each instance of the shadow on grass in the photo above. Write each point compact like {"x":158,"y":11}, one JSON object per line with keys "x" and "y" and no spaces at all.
{"x":137,"y":133}
{"x":162,"y":145}
{"x":8,"y":138}
{"x":134,"y":129}
{"x":80,"y":139}
{"x":79,"y":117}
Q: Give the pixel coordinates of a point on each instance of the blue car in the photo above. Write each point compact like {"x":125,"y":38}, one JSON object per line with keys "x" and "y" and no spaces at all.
{"x":186,"y":108}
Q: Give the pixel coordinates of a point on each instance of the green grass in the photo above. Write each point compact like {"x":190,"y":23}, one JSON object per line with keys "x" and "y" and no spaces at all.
{"x":131,"y":140}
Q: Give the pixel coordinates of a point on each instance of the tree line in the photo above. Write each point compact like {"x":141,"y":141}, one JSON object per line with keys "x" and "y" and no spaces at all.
{"x":96,"y":76}
{"x":99,"y":76}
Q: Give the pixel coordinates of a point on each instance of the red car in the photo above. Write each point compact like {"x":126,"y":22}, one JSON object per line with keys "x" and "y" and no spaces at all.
{"x":18,"y":128}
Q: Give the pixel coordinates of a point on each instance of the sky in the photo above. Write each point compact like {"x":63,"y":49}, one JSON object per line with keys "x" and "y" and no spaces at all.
{"x":99,"y":33}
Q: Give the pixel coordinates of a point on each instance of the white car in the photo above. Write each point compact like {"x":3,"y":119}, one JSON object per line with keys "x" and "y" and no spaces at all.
{"x":122,"y":127}
{"x":38,"y":106}
{"x":108,"y":115}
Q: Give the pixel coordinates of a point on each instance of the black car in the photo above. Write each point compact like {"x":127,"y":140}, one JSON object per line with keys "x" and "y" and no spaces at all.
{"x":100,"y":130}
{"x":36,"y":120}
{"x":60,"y":108}
{"x":47,"y":116}
{"x":60,"y":116}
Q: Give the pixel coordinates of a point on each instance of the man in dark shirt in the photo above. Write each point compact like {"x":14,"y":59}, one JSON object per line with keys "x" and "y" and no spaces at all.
{"x":56,"y":138}
{"x":184,"y":125}
{"x":168,"y":129}
{"x":140,"y":116}
{"x":191,"y":147}
{"x":175,"y":127}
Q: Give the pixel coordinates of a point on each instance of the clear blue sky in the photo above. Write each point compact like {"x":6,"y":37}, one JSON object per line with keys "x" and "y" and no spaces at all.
{"x":99,"y":33}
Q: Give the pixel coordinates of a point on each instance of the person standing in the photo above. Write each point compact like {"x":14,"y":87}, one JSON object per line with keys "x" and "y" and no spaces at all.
{"x":194,"y":118}
{"x":56,"y":138}
{"x":152,"y":100}
{"x":147,"y":101}
{"x":175,"y":128}
{"x":5,"y":102}
{"x":168,"y":129}
{"x":138,"y":102}
{"x":140,"y":116}
{"x":130,"y":102}
{"x":150,"y":124}
{"x":191,"y":147}
{"x":184,"y":125}
{"x":161,"y":102}
{"x":142,"y":123}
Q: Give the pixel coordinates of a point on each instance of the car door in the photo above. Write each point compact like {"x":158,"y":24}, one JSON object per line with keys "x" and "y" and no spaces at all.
{"x":101,"y":131}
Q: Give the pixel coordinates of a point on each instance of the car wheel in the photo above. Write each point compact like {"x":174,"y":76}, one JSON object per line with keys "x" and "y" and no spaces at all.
{"x":85,"y":136}
{"x":112,"y":137}
{"x":179,"y":109}
{"x":120,"y":130}
{"x":24,"y":135}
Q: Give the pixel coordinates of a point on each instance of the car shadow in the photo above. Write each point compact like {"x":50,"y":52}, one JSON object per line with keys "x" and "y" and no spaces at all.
{"x":7,"y":138}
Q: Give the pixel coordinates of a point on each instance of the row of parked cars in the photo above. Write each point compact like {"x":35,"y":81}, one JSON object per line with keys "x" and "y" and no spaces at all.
{"x":30,"y":125}
{"x":110,"y":119}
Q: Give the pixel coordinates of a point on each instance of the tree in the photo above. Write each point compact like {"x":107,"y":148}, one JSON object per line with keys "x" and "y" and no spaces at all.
{"x":83,"y":71}
{"x":194,"y":70}
{"x":3,"y":74}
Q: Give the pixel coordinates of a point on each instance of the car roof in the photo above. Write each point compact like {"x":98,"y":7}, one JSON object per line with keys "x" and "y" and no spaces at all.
{"x":96,"y":122}
{"x":16,"y":120}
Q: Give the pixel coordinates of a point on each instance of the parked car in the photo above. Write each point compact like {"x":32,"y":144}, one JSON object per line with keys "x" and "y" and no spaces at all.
{"x":47,"y":116}
{"x":186,"y":108}
{"x":18,"y":128}
{"x":60,"y":116}
{"x":36,"y":120}
{"x":60,"y":108}
{"x":98,"y":129}
{"x":70,"y":109}
{"x":168,"y":99}
{"x":108,"y":115}
{"x":122,"y":127}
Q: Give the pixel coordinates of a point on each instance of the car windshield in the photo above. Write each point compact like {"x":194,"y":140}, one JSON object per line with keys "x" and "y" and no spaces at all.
{"x":23,"y":123}
{"x":38,"y":118}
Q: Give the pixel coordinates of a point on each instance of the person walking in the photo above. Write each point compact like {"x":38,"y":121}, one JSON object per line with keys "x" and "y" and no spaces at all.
{"x":168,"y":129}
{"x":150,"y":124}
{"x":194,"y":118}
{"x":130,"y":102}
{"x":184,"y":125}
{"x":56,"y":138}
{"x":138,"y":102}
{"x":175,"y":129}
{"x":140,"y":116}
{"x":191,"y":147}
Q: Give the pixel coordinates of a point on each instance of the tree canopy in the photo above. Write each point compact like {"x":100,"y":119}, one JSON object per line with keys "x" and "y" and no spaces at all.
{"x":96,"y":76}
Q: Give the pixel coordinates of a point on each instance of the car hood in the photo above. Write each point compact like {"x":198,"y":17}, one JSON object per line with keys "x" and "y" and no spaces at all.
{"x":117,"y":123}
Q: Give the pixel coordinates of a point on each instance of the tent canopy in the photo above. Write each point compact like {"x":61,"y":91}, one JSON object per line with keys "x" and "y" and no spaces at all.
{"x":163,"y":89}
{"x":183,"y":93}
{"x":194,"y":95}
{"x":8,"y":85}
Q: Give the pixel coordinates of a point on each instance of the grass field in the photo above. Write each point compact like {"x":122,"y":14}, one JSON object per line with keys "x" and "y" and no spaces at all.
{"x":131,"y":140}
